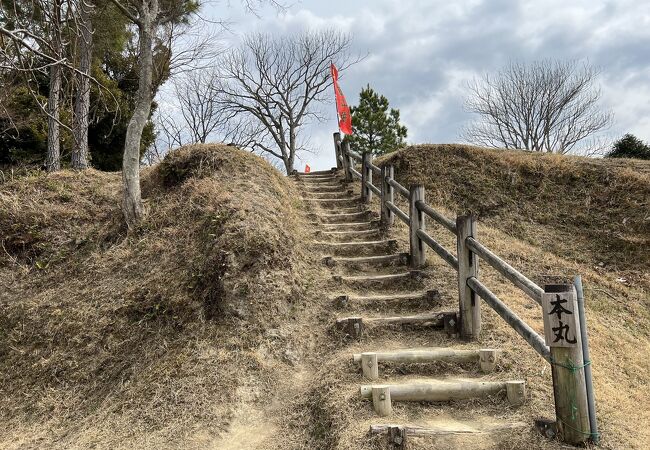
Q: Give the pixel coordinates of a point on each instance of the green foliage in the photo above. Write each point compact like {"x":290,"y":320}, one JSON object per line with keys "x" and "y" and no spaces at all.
{"x":376,"y":128}
{"x":629,"y":146}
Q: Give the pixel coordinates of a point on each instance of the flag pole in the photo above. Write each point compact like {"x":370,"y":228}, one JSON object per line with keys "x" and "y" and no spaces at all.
{"x":336,"y":104}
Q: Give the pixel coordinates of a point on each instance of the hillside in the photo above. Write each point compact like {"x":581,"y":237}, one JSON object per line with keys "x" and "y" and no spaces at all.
{"x":151,"y":338}
{"x":552,"y":217}
{"x":212,"y":325}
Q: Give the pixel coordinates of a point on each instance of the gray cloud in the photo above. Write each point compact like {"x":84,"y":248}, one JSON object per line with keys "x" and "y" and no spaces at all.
{"x":422,"y":53}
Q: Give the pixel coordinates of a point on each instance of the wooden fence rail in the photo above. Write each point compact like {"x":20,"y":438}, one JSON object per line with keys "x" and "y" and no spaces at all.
{"x":566,"y":356}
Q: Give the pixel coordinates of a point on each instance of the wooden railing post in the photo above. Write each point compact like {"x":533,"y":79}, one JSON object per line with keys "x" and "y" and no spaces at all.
{"x":469,"y":305}
{"x":366,"y":177}
{"x":563,"y":336}
{"x":418,"y":253}
{"x":337,"y":150}
{"x":387,"y":195}
{"x":348,"y":162}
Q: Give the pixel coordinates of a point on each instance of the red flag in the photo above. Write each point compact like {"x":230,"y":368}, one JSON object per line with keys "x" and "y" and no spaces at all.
{"x":307,"y":168}
{"x":342,"y":108}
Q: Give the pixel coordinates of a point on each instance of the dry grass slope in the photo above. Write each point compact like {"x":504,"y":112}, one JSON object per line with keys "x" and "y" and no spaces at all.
{"x":143,"y":339}
{"x":553,"y":217}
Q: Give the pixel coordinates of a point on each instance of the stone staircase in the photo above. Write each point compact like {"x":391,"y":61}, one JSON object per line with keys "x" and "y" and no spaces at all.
{"x":367,"y":270}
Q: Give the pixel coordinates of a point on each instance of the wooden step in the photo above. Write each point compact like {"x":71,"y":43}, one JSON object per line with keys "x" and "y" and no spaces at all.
{"x":320,"y":188}
{"x":383,"y":278}
{"x":344,"y":217}
{"x":344,"y":301}
{"x":395,"y":258}
{"x":369,"y":361}
{"x":348,"y":234}
{"x":354,"y":327}
{"x":360,"y":247}
{"x":317,"y":173}
{"x":331,"y":201}
{"x":444,"y":430}
{"x":440,"y":391}
{"x":332,"y":195}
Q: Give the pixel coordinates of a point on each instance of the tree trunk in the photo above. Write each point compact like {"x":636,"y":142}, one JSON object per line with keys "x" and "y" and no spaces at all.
{"x":82,"y":102}
{"x":53,"y":162}
{"x":132,"y":200}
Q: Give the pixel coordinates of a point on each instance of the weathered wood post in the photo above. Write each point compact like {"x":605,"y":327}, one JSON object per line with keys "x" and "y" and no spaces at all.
{"x":348,"y":162}
{"x":387,"y":195}
{"x":418,"y":253}
{"x":562,"y":333}
{"x":381,"y":400}
{"x":337,"y":150}
{"x":469,"y":305}
{"x":396,"y":438}
{"x":366,"y":177}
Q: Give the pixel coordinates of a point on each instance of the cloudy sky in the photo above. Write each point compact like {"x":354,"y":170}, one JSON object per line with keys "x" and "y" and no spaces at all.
{"x":420,"y":54}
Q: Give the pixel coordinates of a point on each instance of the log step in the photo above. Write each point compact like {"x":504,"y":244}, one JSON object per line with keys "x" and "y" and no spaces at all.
{"x":343,"y":217}
{"x":317,"y":173}
{"x":336,"y":201}
{"x":396,"y":258}
{"x":440,"y":391}
{"x":354,"y":327}
{"x":362,"y":247}
{"x":344,"y":300}
{"x":385,"y":278}
{"x":322,"y":189}
{"x":369,"y":361}
{"x":345,"y":225}
{"x":328,"y":195}
{"x":351,"y":233}
{"x":358,"y":244}
{"x":448,"y":427}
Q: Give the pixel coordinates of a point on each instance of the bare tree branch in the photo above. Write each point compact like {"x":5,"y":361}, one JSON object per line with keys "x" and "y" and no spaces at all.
{"x":546,"y":106}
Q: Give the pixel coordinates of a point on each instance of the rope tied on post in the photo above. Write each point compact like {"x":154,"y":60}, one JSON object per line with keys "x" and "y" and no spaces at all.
{"x":570,"y":365}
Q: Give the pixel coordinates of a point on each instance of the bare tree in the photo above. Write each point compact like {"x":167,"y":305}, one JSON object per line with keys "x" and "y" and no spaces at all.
{"x":272,"y":85}
{"x":547,"y":106}
{"x":79,"y":159}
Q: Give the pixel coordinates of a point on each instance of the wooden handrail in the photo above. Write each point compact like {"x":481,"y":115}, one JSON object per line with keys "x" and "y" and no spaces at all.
{"x":355,"y":155}
{"x":373,"y":188}
{"x":355,"y":172}
{"x":398,"y":187}
{"x":399,"y":213}
{"x":439,"y":249}
{"x":531,"y":289}
{"x":435,"y":215}
{"x":521,"y":327}
{"x":375,"y":169}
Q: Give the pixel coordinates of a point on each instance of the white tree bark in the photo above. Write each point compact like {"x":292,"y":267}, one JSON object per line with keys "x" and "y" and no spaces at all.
{"x":132,"y":199}
{"x":82,"y":101}
{"x":53,"y":162}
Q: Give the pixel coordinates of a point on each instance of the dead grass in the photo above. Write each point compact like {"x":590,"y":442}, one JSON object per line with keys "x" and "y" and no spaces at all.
{"x":111,"y":339}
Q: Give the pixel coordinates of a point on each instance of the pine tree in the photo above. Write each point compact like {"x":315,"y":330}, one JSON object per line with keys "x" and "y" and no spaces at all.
{"x":629,"y":146}
{"x":376,"y":128}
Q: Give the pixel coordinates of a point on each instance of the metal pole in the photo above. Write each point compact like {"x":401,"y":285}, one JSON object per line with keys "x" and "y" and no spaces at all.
{"x":591,"y":401}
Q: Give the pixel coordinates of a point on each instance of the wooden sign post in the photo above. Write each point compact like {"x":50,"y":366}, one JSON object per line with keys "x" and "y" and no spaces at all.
{"x":562,"y":333}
